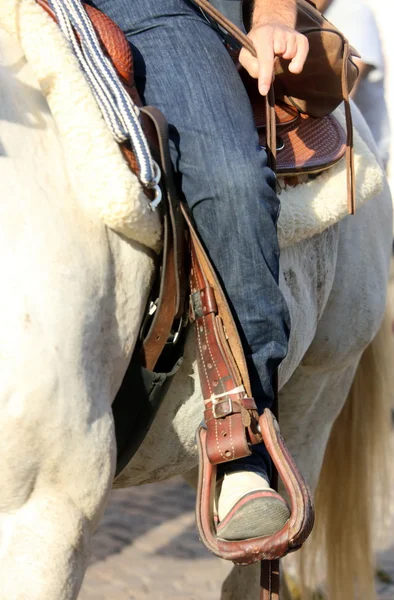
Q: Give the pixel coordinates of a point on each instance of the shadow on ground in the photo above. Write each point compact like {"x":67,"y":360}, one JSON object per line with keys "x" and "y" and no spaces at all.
{"x":132,"y":513}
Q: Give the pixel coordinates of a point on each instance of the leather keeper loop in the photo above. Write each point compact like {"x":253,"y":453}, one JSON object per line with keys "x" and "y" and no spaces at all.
{"x":202,"y":302}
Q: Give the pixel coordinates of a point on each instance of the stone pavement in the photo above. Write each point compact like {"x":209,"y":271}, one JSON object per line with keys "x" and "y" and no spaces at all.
{"x":147,"y":548}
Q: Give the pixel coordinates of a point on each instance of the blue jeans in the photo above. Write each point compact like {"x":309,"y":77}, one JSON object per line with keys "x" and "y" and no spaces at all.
{"x":182,"y":67}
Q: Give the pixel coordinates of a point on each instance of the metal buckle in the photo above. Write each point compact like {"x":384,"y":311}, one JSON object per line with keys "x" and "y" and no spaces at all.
{"x":174,"y":335}
{"x":279,"y":144}
{"x":224,"y":414}
{"x":154,"y":184}
{"x":153,"y":307}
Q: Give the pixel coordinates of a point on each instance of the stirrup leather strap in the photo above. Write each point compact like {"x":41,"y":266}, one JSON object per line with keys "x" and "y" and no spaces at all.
{"x":231,"y":427}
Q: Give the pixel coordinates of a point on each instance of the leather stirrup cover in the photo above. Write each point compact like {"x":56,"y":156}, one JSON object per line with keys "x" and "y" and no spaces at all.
{"x":297,"y":528}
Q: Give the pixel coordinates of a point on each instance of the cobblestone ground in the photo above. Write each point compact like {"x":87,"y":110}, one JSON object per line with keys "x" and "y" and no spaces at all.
{"x":147,"y":547}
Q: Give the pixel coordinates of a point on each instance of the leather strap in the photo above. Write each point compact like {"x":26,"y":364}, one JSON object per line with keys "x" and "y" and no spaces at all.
{"x":230,"y":416}
{"x":269,"y":580}
{"x":170,"y":304}
{"x":270,"y":129}
{"x":351,"y":180}
{"x":232,"y":335}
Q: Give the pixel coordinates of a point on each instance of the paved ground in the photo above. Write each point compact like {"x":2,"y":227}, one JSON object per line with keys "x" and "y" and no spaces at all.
{"x":147,"y":548}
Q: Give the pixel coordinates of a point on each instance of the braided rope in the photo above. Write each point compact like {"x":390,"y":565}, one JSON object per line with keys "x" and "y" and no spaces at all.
{"x":119,"y":111}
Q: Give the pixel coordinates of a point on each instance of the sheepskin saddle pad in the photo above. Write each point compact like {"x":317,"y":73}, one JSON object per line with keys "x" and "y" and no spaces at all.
{"x":98,"y":172}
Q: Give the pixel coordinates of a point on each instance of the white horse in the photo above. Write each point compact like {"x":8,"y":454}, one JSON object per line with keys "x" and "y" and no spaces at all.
{"x":71,"y":304}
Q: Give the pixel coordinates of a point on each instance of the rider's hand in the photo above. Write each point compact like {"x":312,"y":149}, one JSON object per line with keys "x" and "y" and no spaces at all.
{"x":271,"y":40}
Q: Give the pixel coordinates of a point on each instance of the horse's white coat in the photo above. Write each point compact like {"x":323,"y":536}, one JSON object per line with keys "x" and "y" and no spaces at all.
{"x":72,"y":297}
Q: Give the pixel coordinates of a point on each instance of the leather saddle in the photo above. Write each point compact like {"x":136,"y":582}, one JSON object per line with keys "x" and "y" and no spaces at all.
{"x":305,"y":145}
{"x":228,"y":401}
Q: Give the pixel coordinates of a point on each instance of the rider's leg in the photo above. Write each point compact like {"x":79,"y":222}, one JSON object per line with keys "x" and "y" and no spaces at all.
{"x":182,"y":67}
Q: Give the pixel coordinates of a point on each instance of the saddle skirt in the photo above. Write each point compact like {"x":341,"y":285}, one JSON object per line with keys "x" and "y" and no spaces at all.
{"x":98,"y":172}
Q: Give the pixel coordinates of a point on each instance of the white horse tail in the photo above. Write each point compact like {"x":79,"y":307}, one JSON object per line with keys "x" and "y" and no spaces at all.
{"x":354,"y":482}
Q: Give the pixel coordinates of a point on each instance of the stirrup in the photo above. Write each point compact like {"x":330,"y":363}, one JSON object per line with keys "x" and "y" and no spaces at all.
{"x":290,"y":537}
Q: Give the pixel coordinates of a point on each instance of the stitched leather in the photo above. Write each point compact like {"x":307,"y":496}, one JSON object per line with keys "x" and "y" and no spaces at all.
{"x":232,"y":336}
{"x":269,"y":580}
{"x":309,"y":144}
{"x":302,"y":150}
{"x":232,"y":419}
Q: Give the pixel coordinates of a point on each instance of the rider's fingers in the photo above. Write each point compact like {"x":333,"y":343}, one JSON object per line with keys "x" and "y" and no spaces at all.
{"x":280,"y":43}
{"x":297,"y":63}
{"x":249,"y":63}
{"x":265,"y":57}
{"x":291,"y":47}
{"x":274,"y":42}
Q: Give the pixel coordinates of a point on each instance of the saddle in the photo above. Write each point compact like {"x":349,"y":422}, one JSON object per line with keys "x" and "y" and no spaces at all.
{"x":228,"y":403}
{"x":299,"y":132}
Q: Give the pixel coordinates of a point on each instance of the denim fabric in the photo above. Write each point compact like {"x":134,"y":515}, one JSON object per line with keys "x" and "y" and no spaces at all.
{"x":183,"y":68}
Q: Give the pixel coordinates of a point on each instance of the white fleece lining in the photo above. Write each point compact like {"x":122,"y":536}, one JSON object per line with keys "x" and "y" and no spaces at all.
{"x":310,"y":208}
{"x":99,"y":173}
{"x":100,"y":176}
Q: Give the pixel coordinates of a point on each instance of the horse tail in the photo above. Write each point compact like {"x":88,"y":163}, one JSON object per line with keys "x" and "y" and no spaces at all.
{"x":354,"y":481}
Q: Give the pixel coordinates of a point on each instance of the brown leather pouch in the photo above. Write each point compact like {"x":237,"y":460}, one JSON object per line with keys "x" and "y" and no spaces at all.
{"x":328,"y":70}
{"x":329,"y":73}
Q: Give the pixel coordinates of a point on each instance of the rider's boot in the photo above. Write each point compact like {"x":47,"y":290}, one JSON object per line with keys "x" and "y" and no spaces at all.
{"x":248,"y":507}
